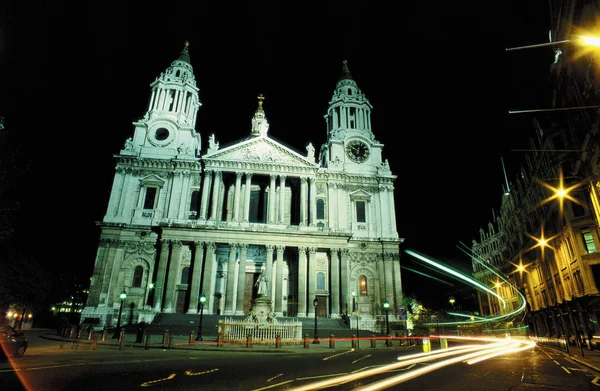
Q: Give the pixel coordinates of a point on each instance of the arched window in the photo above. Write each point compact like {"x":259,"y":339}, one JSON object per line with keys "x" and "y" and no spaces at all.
{"x":362,"y":286}
{"x":321,"y":281}
{"x":138,"y":273}
{"x":184,"y":275}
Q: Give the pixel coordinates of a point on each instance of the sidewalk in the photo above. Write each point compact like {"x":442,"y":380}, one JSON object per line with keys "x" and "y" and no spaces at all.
{"x":586,"y":357}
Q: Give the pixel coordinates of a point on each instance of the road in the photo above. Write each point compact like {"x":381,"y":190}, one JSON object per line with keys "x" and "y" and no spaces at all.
{"x":46,"y":366}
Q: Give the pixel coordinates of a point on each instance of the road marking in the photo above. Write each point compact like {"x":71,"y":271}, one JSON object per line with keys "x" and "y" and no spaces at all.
{"x":595,"y":381}
{"x":149,"y":383}
{"x":565,"y":369}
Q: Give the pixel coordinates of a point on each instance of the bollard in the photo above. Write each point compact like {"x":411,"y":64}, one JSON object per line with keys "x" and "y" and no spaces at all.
{"x":104,"y":332}
{"x":93,"y":338}
{"x":72,"y":332}
{"x":191,"y":341}
{"x":373,"y":341}
{"x":332,"y":341}
{"x":388,"y":341}
{"x":165,"y":337}
{"x":306,"y":341}
{"x":121,"y":339}
{"x":249,"y":341}
{"x":90,"y":331}
{"x":353,"y":341}
{"x":278,"y":341}
{"x":147,"y":345}
{"x":220,"y":339}
{"x":171,"y":341}
{"x":79,"y":332}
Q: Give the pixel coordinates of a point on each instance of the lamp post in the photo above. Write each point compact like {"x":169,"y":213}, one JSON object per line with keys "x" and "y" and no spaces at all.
{"x":386,"y":307}
{"x":355,"y":309}
{"x":316,"y":305}
{"x":150,"y":301}
{"x":202,"y":300}
{"x":118,"y":328}
{"x":452,"y":301}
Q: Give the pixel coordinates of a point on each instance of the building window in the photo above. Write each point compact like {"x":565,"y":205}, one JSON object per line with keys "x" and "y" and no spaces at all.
{"x":150,"y":198}
{"x":320,"y":209}
{"x":588,"y":240}
{"x":361,"y":216}
{"x":138,"y":273}
{"x":185,"y":275}
{"x":321,"y":281}
{"x":195,"y":202}
{"x":362,"y":286}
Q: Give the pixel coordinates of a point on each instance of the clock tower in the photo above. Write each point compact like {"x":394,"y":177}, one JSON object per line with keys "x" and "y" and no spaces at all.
{"x":351,"y":145}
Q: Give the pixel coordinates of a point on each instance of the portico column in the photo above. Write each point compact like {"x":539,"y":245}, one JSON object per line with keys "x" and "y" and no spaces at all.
{"x":335,"y":282}
{"x":238,"y":193}
{"x":215,"y":195}
{"x":269,"y":272}
{"x":165,"y":246}
{"x":312,"y":283}
{"x":279,"y":282}
{"x":230,"y":291}
{"x":313,"y":201}
{"x":241,"y":281}
{"x":344,"y":279}
{"x":247,"y":198}
{"x":209,"y":277}
{"x":281,"y":199}
{"x":172,"y":277}
{"x":272,"y":199}
{"x":301,"y":282}
{"x":196,"y":277}
{"x":397,"y":279}
{"x":205,"y":194}
{"x":303,"y":209}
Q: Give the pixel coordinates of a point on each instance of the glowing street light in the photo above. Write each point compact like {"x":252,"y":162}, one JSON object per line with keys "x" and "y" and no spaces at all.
{"x":122,"y":296}
{"x":452,"y":301}
{"x":202,"y":300}
{"x":386,"y":307}
{"x":316,"y":305}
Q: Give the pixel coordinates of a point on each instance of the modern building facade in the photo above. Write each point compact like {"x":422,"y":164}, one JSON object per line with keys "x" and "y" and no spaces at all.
{"x":184,"y":220}
{"x":545,"y":239}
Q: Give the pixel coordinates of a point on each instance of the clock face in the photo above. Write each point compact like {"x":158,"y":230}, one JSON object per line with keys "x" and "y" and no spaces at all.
{"x":160,"y":136}
{"x":357,"y":151}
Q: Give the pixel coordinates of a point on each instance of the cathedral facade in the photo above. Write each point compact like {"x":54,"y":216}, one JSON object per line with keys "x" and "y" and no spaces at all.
{"x":185,"y":222}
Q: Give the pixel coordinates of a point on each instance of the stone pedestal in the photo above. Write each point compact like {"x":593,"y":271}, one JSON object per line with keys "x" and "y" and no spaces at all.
{"x":262,"y":310}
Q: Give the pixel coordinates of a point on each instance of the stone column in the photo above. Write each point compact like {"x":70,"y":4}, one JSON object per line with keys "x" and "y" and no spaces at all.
{"x":241,"y":281}
{"x":269,"y":272}
{"x":313,"y":201}
{"x":247,"y":198}
{"x":397,"y":279}
{"x":230,"y":292}
{"x":279,"y":282}
{"x":165,"y":246}
{"x":303,"y":202}
{"x":345,"y":280}
{"x":172,"y":277}
{"x":272,"y":193}
{"x":238,"y":193}
{"x":205,"y":194}
{"x":302,"y":282}
{"x":215,"y":195}
{"x":312,"y":280}
{"x":335,"y":282}
{"x":209,"y":277}
{"x":281,"y":199}
{"x":196,"y":277}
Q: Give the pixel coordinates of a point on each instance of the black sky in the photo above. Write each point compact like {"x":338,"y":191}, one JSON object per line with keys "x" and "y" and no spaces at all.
{"x":74,"y":77}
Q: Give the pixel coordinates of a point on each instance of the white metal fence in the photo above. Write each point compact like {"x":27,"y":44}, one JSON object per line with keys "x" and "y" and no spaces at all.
{"x":238,"y":330}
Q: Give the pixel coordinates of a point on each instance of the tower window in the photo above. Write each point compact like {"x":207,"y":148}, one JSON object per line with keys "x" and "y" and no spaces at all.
{"x":320,"y":209}
{"x":150,"y":198}
{"x":138,"y":272}
{"x":361,"y":216}
{"x":588,"y":241}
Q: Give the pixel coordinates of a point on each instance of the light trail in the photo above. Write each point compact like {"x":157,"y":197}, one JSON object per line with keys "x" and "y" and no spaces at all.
{"x":468,"y":353}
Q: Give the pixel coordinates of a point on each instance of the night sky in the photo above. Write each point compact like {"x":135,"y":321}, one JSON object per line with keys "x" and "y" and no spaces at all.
{"x":73,"y":78}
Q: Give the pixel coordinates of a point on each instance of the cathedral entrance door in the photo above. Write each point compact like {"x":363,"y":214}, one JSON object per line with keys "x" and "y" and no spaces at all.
{"x":322,"y":307}
{"x":180,"y":306}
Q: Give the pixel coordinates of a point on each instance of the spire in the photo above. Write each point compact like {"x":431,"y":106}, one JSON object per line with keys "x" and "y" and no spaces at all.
{"x":345,"y":71}
{"x":260,"y":126}
{"x":185,"y":54}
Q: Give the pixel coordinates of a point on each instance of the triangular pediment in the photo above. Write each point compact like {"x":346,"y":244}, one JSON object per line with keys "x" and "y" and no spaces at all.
{"x":260,"y":150}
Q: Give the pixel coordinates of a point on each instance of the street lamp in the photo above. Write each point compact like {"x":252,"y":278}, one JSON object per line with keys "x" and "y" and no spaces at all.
{"x":386,"y":306}
{"x":118,"y":329}
{"x":316,"y":305}
{"x":452,"y":301}
{"x":202,"y":300}
{"x":356,"y":310}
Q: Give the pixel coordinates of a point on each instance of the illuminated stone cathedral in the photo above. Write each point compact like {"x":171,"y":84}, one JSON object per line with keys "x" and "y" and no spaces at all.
{"x":184,"y":220}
